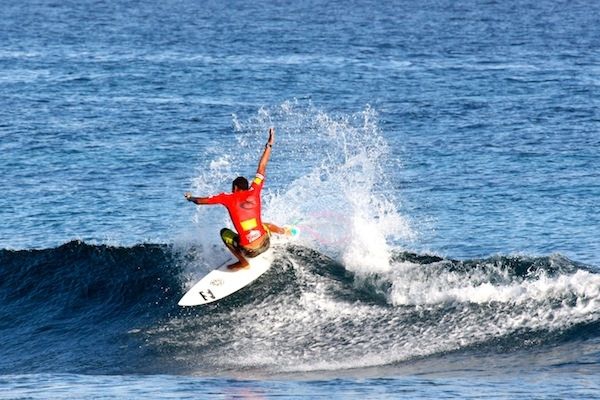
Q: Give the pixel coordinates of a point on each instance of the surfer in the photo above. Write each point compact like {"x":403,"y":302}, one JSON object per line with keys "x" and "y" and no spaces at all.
{"x":244,"y":207}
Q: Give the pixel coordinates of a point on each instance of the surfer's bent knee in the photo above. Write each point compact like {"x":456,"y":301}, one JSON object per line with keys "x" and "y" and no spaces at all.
{"x":229,"y":237}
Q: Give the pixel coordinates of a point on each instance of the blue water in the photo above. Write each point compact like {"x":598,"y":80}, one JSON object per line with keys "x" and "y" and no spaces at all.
{"x":440,"y":159}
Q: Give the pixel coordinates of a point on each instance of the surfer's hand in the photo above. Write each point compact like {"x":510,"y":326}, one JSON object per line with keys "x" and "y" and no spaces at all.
{"x":188,"y":196}
{"x":289,"y":230}
{"x":271,"y":136}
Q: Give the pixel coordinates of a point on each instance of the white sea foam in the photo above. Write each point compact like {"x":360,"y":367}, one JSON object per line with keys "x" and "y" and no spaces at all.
{"x":414,"y":284}
{"x":330,"y":180}
{"x":321,"y":332}
{"x":327,"y":176}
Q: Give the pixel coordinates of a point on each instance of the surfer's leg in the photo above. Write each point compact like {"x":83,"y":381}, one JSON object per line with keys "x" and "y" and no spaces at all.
{"x":230,"y":238}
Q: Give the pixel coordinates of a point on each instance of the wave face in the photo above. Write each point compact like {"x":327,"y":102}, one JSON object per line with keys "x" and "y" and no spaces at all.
{"x":73,"y":308}
{"x":83,"y":308}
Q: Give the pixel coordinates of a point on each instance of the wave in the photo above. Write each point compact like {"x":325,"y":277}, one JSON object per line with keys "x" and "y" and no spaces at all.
{"x":85,"y":308}
{"x":71,"y":307}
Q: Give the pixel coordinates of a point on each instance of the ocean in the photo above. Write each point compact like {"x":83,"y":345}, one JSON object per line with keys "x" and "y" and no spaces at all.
{"x":439,"y":159}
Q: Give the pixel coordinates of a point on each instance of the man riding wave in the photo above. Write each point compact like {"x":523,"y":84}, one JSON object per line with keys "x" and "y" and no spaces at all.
{"x":244,"y":207}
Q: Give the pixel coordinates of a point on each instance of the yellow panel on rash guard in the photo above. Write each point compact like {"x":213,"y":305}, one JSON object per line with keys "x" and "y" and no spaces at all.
{"x":249,"y":224}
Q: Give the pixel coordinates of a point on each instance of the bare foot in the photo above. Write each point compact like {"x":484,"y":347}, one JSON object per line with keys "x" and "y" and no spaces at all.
{"x":238,"y":265}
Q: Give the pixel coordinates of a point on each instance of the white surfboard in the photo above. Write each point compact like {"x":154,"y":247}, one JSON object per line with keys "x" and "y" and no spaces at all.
{"x":222,"y":282}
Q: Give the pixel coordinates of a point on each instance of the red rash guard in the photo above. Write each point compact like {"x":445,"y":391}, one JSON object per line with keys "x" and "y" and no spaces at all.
{"x":244,"y":210}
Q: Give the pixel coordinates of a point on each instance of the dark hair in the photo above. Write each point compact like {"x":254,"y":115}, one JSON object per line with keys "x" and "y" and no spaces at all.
{"x":241,"y":183}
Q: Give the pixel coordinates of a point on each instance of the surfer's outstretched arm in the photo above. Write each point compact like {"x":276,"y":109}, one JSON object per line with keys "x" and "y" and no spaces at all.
{"x":286,"y":230}
{"x":274,"y":228}
{"x":201,"y":200}
{"x":264,"y":159}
